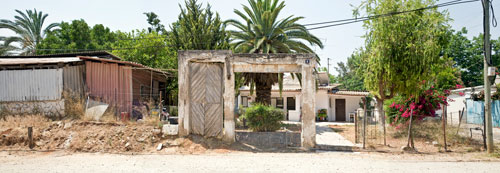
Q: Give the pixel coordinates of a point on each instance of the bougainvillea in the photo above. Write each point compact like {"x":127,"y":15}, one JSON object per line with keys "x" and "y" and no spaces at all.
{"x":399,"y":112}
{"x":400,"y":108}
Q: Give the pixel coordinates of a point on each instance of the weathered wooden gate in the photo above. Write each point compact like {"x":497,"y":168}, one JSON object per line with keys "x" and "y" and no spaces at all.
{"x":206,"y":88}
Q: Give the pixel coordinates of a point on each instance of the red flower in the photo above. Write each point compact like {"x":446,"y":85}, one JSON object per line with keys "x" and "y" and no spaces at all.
{"x":461,"y":93}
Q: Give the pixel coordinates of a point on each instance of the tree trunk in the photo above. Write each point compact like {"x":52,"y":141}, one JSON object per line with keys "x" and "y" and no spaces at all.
{"x":381,"y":113}
{"x":410,"y":135}
{"x":263,"y":91}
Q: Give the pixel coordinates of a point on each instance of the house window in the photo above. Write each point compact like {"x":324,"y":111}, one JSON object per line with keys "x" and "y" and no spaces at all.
{"x":330,"y":102}
{"x":290,"y":103}
{"x":244,"y":101}
{"x":279,"y":102}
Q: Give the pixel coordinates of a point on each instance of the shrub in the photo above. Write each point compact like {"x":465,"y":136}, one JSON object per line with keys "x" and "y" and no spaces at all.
{"x":263,"y":118}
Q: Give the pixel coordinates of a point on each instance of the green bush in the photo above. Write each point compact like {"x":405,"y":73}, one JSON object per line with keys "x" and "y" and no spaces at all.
{"x":263,"y":118}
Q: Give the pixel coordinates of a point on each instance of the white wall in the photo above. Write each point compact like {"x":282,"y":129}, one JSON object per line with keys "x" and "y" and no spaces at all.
{"x":351,"y":104}
{"x":322,"y":101}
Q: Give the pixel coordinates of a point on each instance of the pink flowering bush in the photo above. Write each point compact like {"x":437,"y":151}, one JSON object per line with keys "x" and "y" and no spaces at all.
{"x":400,"y":109}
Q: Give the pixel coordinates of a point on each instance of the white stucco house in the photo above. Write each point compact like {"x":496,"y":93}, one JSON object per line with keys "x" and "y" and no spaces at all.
{"x":340,"y":104}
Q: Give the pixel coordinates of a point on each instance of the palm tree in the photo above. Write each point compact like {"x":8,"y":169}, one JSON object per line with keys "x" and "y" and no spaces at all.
{"x":5,"y":47}
{"x":29,"y":29}
{"x":265,"y":33}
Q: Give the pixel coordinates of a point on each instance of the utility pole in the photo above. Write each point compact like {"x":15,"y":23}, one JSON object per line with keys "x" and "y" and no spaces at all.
{"x":487,"y":85}
{"x":328,"y":68}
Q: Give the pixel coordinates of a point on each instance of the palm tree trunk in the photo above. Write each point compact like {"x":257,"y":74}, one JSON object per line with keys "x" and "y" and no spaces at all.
{"x":263,"y":91}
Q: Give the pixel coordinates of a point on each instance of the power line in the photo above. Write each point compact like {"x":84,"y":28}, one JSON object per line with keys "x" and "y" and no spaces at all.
{"x":361,"y":19}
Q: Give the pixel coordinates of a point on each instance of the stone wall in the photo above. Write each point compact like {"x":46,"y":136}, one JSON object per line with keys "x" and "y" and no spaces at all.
{"x":49,"y":108}
{"x":269,"y":139}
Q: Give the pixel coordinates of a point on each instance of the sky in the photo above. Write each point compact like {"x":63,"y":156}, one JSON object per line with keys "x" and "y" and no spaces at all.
{"x":339,"y":41}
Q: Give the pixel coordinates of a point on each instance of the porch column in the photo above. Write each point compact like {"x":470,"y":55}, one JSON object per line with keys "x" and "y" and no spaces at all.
{"x":229,"y":105}
{"x":308,"y":135}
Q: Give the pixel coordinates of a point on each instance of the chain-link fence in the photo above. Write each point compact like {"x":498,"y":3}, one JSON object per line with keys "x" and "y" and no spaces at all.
{"x":368,"y":127}
{"x":459,"y":127}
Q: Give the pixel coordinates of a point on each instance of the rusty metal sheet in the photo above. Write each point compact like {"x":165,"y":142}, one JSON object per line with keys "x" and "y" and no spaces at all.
{"x":111,"y":83}
{"x":31,"y":85}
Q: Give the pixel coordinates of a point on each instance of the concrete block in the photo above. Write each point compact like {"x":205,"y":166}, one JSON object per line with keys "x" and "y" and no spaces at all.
{"x":170,"y":129}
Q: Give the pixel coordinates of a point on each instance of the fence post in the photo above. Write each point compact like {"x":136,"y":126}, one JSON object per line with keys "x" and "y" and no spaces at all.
{"x":356,"y":126}
{"x":364,"y":123}
{"x":30,"y":137}
{"x":444,"y":119}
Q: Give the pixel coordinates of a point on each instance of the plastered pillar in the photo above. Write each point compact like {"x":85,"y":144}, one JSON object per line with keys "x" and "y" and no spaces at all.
{"x":229,"y":125}
{"x":308,"y":135}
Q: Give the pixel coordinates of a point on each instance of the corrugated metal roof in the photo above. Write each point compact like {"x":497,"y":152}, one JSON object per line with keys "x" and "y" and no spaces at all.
{"x":133,"y":64}
{"x":100,"y":54}
{"x":351,"y":93}
{"x":17,"y":61}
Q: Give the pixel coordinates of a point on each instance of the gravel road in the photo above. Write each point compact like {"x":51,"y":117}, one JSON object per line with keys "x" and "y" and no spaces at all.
{"x":230,"y":162}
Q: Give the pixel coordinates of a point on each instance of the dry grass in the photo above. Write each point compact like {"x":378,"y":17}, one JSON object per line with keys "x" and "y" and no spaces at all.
{"x":424,"y":134}
{"x":22,"y":121}
{"x":74,"y":105}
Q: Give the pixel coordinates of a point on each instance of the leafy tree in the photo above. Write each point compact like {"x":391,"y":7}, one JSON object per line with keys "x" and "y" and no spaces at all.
{"x":156,"y":26}
{"x":401,"y":48}
{"x":146,"y":48}
{"x":77,"y":36}
{"x":350,"y":75}
{"x":468,"y":55}
{"x":29,"y":29}
{"x":265,"y":32}
{"x":198,"y":28}
{"x":444,"y":74}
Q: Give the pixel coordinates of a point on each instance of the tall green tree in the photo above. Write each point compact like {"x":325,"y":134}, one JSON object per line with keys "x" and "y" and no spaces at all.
{"x":401,"y":48}
{"x":263,"y":31}
{"x":29,"y":28}
{"x":468,"y":55}
{"x":198,"y":28}
{"x":77,"y":36}
{"x":350,"y":75}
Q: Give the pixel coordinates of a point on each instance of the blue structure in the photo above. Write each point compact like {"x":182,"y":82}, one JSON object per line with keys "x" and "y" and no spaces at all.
{"x":475,"y":112}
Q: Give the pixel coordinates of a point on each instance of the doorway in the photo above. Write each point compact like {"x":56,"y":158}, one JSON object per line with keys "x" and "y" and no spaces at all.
{"x":339,"y":109}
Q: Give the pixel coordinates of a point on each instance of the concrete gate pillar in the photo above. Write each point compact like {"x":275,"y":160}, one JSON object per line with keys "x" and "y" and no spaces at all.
{"x":308,"y":135}
{"x":229,"y":125}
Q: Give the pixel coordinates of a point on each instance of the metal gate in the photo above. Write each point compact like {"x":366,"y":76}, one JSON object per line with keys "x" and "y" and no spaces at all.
{"x":206,"y":88}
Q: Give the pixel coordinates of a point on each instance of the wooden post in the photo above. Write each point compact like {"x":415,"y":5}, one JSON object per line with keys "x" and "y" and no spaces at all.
{"x":30,"y":137}
{"x":460,"y":115}
{"x":151,"y":89}
{"x":443,"y":117}
{"x":161,"y":105}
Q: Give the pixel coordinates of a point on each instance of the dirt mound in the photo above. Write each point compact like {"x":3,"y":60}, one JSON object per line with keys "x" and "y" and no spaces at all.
{"x":90,"y":136}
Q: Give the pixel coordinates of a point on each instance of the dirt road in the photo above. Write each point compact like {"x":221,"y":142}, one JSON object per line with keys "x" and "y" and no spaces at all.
{"x":230,"y":162}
